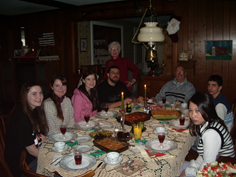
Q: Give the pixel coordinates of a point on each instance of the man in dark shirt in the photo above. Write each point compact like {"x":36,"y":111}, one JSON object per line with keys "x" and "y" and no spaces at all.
{"x":109,"y":91}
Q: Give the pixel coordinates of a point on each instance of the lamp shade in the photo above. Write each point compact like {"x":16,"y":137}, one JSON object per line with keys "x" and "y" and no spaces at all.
{"x":151,"y":33}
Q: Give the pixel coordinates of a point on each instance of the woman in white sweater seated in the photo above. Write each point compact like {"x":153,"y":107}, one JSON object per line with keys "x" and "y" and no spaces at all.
{"x":214,"y":140}
{"x":58,"y":107}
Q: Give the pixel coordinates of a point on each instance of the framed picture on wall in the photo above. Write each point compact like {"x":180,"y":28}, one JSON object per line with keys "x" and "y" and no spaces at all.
{"x":83,"y":44}
{"x":219,"y":50}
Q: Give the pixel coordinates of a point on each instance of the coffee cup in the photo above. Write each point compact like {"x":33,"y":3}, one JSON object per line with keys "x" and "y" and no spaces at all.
{"x":160,"y":129}
{"x":184,"y":105}
{"x":59,"y":146}
{"x":113,"y":157}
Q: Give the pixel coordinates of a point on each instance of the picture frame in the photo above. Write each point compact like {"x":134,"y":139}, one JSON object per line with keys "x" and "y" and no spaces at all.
{"x":219,"y":50}
{"x":83,"y":45}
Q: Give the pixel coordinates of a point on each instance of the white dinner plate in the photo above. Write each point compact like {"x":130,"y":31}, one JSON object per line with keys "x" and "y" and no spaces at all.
{"x":59,"y":137}
{"x":176,"y":124}
{"x":65,"y":149}
{"x":154,"y":126}
{"x":86,"y":126}
{"x":154,"y":145}
{"x":167,"y":102}
{"x":103,"y":114}
{"x":83,"y":139}
{"x":109,"y":163}
{"x":84,"y":148}
{"x":105,"y":126}
{"x":68,"y":162}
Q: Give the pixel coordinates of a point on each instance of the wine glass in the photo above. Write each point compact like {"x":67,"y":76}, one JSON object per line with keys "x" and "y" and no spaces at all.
{"x":161,"y":137}
{"x":86,"y":118}
{"x":63,"y":130}
{"x":106,"y":108}
{"x":164,"y":100}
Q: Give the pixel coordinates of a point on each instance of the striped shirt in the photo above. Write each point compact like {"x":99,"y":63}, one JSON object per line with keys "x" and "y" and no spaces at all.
{"x":227,"y":146}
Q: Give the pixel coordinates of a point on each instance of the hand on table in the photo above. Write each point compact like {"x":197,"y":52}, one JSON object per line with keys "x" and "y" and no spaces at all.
{"x":130,"y":83}
{"x":140,"y":99}
{"x":127,"y":100}
{"x":182,"y":174}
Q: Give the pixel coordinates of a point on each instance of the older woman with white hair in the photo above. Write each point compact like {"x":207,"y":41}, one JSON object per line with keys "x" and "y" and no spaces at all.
{"x":124,"y":65}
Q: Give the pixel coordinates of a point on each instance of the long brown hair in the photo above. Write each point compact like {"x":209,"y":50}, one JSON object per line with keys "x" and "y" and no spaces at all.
{"x":54,"y":97}
{"x":37,"y":115}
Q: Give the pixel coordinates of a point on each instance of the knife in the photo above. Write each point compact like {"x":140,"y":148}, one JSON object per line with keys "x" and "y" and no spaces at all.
{"x":114,"y":168}
{"x":98,"y":165}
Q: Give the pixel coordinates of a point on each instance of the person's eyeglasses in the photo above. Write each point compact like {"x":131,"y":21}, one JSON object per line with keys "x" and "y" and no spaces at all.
{"x":114,"y":72}
{"x":114,"y":49}
{"x":179,"y":72}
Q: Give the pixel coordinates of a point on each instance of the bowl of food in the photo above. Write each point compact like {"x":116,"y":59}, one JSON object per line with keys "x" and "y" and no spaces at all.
{"x":100,"y":134}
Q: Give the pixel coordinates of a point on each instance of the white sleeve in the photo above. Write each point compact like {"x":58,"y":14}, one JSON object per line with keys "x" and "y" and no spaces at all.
{"x":221,"y":110}
{"x":211,"y":145}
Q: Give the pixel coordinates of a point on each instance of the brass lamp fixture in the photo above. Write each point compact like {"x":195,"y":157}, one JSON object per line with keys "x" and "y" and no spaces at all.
{"x":150,"y":34}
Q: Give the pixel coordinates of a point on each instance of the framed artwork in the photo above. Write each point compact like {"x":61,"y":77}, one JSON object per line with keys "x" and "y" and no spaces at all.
{"x":83,"y":44}
{"x":219,"y":50}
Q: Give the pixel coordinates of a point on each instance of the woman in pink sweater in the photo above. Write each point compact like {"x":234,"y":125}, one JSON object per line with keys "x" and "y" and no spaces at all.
{"x":85,"y":98}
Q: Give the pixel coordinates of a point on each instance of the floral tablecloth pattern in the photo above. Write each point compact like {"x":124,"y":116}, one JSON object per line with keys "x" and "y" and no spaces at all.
{"x":170,"y":163}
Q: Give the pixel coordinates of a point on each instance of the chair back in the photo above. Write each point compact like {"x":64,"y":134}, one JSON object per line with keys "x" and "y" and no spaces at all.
{"x":25,"y":168}
{"x":2,"y":133}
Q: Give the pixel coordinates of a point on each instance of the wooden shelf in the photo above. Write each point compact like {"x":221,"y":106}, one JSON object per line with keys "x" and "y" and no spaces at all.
{"x":190,"y":64}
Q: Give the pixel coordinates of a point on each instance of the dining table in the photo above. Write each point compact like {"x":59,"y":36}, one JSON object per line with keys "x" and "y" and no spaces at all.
{"x":169,"y":163}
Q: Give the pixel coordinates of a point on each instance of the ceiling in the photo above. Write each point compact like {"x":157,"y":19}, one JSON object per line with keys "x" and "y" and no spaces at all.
{"x":17,"y":7}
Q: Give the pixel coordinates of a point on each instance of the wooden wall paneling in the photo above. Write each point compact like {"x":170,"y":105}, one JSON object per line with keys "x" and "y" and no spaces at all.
{"x":209,"y":34}
{"x":190,"y":37}
{"x":226,"y":36}
{"x":232,"y":67}
{"x":200,"y":37}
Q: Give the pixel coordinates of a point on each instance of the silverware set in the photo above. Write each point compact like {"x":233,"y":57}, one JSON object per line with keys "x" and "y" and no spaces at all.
{"x":158,"y":162}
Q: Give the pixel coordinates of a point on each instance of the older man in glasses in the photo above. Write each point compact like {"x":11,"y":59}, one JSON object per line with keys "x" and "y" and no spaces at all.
{"x":178,"y":89}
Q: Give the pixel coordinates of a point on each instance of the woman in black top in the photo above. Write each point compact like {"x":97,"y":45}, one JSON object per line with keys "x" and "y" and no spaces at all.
{"x":26,"y":128}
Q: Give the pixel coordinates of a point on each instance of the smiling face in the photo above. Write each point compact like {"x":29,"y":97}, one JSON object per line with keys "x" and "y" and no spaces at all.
{"x":114,"y":51}
{"x":195,"y":114}
{"x":214,"y":89}
{"x":58,"y":88}
{"x":89,"y":81}
{"x":35,"y":96}
{"x":180,"y":74}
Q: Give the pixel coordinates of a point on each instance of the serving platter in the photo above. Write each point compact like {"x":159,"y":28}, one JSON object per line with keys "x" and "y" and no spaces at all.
{"x":58,"y":136}
{"x":135,"y":117}
{"x":154,"y":145}
{"x":68,"y":162}
{"x":86,"y":126}
{"x":106,"y":149}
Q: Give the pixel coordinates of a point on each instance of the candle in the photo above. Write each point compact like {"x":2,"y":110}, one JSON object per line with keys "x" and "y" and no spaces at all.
{"x":145,"y":92}
{"x":122,"y":101}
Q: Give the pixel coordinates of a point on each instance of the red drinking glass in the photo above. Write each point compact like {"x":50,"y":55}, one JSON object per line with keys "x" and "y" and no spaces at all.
{"x":86,"y":118}
{"x":163,"y":100}
{"x":161,"y":137}
{"x":63,"y":131}
{"x":181,"y":120}
{"x":106,"y":108}
{"x":78,"y":159}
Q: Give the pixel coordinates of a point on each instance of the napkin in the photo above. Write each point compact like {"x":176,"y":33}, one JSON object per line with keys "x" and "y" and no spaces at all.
{"x":154,"y":154}
{"x":56,"y":158}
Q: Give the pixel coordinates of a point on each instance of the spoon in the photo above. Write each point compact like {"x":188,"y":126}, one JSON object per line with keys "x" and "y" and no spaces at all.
{"x":129,"y":163}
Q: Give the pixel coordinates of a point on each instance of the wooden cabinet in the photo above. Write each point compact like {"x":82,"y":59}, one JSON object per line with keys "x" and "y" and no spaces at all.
{"x":154,"y":84}
{"x":16,"y":72}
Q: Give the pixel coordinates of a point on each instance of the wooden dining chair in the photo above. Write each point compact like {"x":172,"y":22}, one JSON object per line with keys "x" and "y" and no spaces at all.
{"x":2,"y":133}
{"x":25,"y":168}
